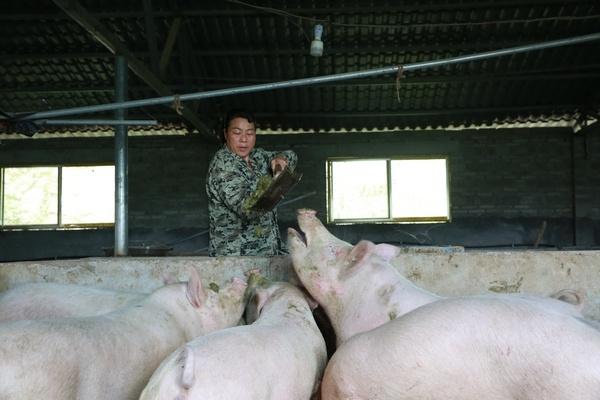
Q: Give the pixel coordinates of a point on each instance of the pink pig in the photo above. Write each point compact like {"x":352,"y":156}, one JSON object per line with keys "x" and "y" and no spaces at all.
{"x":53,"y":300}
{"x":111,"y":356}
{"x":281,"y":355}
{"x":358,"y":287}
{"x":356,"y":296}
{"x":499,"y":347}
{"x":492,"y":347}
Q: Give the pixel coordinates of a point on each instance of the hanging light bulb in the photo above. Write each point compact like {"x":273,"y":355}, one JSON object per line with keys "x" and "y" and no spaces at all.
{"x":316,"y":46}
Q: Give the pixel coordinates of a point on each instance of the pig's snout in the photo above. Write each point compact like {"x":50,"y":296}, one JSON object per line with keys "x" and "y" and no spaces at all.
{"x":307,"y":220}
{"x":306,"y":212}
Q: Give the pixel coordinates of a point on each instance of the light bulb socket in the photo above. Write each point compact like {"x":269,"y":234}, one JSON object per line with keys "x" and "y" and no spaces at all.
{"x":316,"y":48}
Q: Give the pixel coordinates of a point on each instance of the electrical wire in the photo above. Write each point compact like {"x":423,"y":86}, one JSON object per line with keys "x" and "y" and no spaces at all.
{"x":409,"y":25}
{"x":277,"y":11}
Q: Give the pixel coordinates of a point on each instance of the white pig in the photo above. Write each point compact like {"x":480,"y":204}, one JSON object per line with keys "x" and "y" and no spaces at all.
{"x":492,"y":347}
{"x":354,"y":297}
{"x":53,"y":300}
{"x":111,"y":356}
{"x":358,"y":287}
{"x":498,"y":347}
{"x":280,"y":356}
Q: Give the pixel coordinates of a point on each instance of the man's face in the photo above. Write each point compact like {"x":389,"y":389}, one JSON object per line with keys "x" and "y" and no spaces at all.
{"x":240,"y":137}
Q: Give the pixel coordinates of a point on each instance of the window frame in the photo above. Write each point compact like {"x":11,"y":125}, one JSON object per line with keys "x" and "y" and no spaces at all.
{"x":389,"y":219}
{"x":59,"y":225}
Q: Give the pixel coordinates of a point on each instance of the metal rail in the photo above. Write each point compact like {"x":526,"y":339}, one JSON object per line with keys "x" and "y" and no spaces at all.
{"x":310,"y":81}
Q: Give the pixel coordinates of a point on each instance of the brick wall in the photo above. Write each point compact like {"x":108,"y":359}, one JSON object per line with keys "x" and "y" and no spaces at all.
{"x":514,"y":174}
{"x":504,"y":184}
{"x":166,"y":182}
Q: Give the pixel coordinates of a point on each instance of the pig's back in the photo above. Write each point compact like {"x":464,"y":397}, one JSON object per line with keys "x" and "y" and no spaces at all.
{"x":52,"y":300}
{"x":266,"y":362}
{"x":498,"y":347}
{"x":42,"y":352}
{"x":70,"y":358}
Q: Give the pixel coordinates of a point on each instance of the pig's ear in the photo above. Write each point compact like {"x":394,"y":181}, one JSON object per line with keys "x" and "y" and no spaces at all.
{"x":194,"y":291}
{"x":188,"y":372}
{"x":356,"y":258}
{"x":168,"y":278}
{"x":311,"y":302}
{"x":260,"y":298}
{"x":386,"y":251}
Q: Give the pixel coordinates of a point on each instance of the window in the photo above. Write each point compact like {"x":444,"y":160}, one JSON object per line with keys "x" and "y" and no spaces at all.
{"x":57,"y":196}
{"x":387,"y":190}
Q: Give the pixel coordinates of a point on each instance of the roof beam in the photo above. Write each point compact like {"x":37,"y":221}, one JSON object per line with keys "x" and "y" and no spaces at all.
{"x":241,"y":10}
{"x":523,"y":109}
{"x":296,"y":118}
{"x":151,"y":34}
{"x":192,"y":75}
{"x":266,"y":117}
{"x":165,"y":57}
{"x":592,"y":128}
{"x":112,"y":43}
{"x":460,"y":113}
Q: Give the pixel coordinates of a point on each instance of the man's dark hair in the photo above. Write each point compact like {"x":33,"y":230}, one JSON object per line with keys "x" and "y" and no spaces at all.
{"x":232,"y":114}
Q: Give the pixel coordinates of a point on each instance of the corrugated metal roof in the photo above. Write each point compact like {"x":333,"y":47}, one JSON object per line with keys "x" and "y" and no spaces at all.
{"x":50,"y":61}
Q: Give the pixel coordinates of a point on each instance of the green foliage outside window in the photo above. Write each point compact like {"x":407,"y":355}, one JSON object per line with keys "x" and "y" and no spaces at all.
{"x":57,"y":196}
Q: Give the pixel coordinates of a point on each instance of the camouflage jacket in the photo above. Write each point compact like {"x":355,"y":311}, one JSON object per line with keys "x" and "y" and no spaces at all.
{"x":235,"y":230}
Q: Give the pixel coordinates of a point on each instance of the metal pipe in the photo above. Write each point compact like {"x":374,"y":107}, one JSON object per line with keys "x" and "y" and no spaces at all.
{"x":573,"y":191}
{"x":121,"y":160}
{"x":201,"y":233}
{"x":138,"y":122}
{"x":284,"y":203}
{"x":313,"y":80}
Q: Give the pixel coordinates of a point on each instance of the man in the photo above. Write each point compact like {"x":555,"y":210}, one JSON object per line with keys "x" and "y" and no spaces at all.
{"x":233,"y":176}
